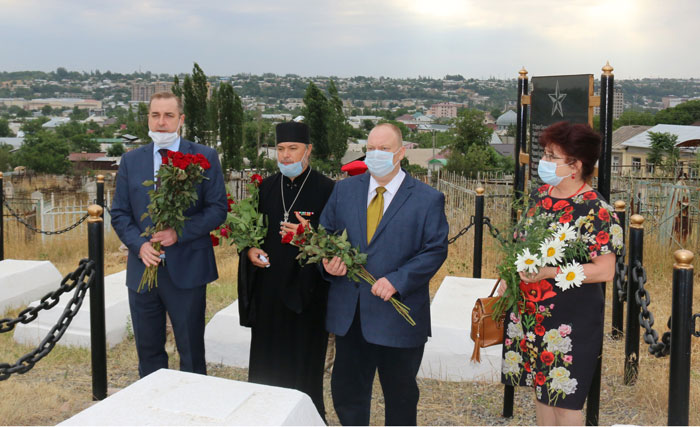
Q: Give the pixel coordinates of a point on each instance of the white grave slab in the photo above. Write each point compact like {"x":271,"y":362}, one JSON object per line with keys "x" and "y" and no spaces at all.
{"x":78,"y":333}
{"x":169,"y":397}
{"x":226,"y":341}
{"x":448,"y":352}
{"x":23,"y":281}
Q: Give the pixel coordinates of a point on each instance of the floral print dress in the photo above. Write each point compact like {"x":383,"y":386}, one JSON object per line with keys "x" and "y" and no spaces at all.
{"x":553,"y":340}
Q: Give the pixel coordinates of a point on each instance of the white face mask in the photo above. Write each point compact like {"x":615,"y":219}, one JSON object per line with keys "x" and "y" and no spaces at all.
{"x":164,"y":139}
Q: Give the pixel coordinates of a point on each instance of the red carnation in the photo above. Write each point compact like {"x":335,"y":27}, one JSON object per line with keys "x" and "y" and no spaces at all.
{"x":566,"y":218}
{"x":214,"y":240}
{"x":547,"y":203}
{"x":539,"y":318}
{"x":287,"y":237}
{"x":561,"y":204}
{"x":602,"y":238}
{"x":540,"y":378}
{"x":256,"y":179}
{"x":539,"y":330}
{"x":589,"y":195}
{"x":547,"y":357}
{"x":300,"y":229}
{"x":523,"y":345}
{"x":604,"y":215}
{"x":538,"y":291}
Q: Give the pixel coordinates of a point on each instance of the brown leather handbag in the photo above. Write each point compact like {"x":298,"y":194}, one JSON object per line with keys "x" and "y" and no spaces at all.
{"x":485,"y":330}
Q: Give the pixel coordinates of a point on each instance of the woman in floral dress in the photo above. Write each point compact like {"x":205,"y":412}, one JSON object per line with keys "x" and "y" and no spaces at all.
{"x":554,"y":339}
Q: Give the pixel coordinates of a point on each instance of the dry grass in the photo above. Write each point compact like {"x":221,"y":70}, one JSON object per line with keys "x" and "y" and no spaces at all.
{"x":60,"y":385}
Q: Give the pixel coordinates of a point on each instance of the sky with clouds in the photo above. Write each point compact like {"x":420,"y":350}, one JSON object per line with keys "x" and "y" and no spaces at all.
{"x":393,"y":38}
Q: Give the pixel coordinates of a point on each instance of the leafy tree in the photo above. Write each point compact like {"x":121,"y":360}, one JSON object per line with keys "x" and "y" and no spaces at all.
{"x":78,"y":114}
{"x":367,"y":125}
{"x":213,"y":118}
{"x":5,"y":157}
{"x":496,"y":112}
{"x":116,"y":150}
{"x":177,"y":89}
{"x":5,"y":128}
{"x":44,"y":152}
{"x":33,"y":126}
{"x":686,"y":113}
{"x":316,"y":114}
{"x":471,"y":130}
{"x":195,"y":92}
{"x":140,"y":123}
{"x":632,"y":117}
{"x":46,"y":110}
{"x":18,"y":111}
{"x":338,"y":127}
{"x":664,"y":152}
{"x":231,"y":128}
{"x":478,"y":158}
{"x":405,"y":131}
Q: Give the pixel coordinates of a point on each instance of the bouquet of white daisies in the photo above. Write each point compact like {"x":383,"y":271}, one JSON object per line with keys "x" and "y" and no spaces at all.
{"x":540,"y":240}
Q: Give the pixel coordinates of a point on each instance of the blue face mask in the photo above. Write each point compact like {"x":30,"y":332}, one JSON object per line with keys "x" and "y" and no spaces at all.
{"x":380,"y":163}
{"x":291,"y":170}
{"x":548,"y":173}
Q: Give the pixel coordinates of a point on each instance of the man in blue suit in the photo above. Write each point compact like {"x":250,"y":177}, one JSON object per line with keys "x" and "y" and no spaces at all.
{"x":400,"y":224}
{"x":186,"y":263}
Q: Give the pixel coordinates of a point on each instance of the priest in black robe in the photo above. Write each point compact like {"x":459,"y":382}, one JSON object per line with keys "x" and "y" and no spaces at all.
{"x":283,"y":302}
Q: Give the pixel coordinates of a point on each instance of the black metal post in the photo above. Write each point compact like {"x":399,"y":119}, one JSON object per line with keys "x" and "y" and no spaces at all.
{"x":2,"y":218}
{"x":636,"y":251}
{"x":607,"y":96}
{"x":618,"y":307}
{"x":508,"y":398}
{"x":681,"y":327}
{"x":101,"y":193}
{"x":98,"y":339}
{"x":520,"y":141}
{"x":478,"y":231}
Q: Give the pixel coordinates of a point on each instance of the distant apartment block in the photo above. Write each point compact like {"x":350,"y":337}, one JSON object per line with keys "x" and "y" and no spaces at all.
{"x":673,"y":101}
{"x":618,"y":104}
{"x":57,"y":103}
{"x":142,"y":92}
{"x":444,"y":109}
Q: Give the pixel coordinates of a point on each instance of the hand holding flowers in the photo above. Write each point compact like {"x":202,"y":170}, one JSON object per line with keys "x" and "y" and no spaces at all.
{"x":244,"y":227}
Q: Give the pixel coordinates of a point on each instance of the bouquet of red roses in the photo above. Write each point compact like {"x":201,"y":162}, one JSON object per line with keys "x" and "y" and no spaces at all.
{"x":244,"y":227}
{"x":315,"y":245}
{"x":177,"y":177}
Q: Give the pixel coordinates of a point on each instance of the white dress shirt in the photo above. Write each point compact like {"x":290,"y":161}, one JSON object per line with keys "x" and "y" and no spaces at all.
{"x":391,"y":188}
{"x":158,"y":160}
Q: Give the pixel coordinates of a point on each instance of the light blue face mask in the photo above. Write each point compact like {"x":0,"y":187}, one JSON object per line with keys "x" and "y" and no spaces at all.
{"x":292,"y":170}
{"x":548,"y":173}
{"x":380,"y":163}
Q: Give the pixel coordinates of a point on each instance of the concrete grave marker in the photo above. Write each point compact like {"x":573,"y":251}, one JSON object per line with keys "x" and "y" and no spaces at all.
{"x":22,"y":282}
{"x":225,"y":340}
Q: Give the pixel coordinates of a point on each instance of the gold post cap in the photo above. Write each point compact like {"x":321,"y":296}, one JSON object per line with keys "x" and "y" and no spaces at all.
{"x":0,"y":175}
{"x":607,"y":69}
{"x":100,"y":178}
{"x":684,"y":259}
{"x":523,"y":73}
{"x":95,"y":212}
{"x":636,"y":221}
{"x":620,"y":205}
{"x":480,"y":191}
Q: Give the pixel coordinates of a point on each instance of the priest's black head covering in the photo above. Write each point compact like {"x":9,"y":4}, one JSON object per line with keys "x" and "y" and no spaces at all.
{"x":292,"y":132}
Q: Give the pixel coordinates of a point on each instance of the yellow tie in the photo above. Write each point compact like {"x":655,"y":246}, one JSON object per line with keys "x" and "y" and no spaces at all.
{"x":375,"y":210}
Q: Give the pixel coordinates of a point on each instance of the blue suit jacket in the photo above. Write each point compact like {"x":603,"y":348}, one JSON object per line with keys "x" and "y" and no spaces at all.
{"x":190,"y":261}
{"x":408,"y":247}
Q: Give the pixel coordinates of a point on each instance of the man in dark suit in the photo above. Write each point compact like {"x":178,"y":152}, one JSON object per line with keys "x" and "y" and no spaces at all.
{"x":400,"y":224}
{"x":186,"y":264}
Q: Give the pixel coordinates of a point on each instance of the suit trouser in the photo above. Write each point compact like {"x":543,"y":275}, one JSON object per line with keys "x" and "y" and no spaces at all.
{"x":356,"y":361}
{"x":186,"y":308}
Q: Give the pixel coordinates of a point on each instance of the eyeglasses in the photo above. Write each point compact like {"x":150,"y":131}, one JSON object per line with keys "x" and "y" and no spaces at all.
{"x":551,"y":156}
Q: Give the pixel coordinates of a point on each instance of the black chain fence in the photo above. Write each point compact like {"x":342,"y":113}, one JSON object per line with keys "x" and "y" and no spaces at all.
{"x":462,"y":232}
{"x":621,"y":276}
{"x":495,"y":233}
{"x":646,"y":318}
{"x":75,"y":280}
{"x":487,"y":221}
{"x":22,"y":221}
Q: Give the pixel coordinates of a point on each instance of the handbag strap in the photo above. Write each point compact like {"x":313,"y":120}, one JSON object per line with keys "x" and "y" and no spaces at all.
{"x":494,"y":287}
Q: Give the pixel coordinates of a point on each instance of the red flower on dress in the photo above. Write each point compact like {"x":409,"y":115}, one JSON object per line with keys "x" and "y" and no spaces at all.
{"x":537,"y":291}
{"x":530,"y":307}
{"x":566,"y":218}
{"x":540,"y":378}
{"x":256,"y":179}
{"x":539,"y":318}
{"x":561,"y":204}
{"x":602,"y":238}
{"x":523,"y":345}
{"x":569,"y":209}
{"x":543,"y":188}
{"x":287,"y":237}
{"x":214,"y":240}
{"x":547,"y":357}
{"x":547,"y":203}
{"x":603,"y":215}
{"x":532,"y":210}
{"x":589,"y":195}
{"x":539,"y":330}
{"x":527,"y":367}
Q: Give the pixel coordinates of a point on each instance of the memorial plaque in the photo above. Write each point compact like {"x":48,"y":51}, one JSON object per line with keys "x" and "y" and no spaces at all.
{"x":555,"y":99}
